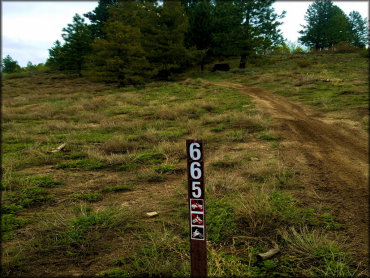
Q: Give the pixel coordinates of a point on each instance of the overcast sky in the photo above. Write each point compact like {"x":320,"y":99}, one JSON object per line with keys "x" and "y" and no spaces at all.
{"x":30,"y":28}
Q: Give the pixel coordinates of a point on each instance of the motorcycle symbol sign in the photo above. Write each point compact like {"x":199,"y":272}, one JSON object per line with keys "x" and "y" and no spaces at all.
{"x":197,"y":233}
{"x":196,"y":205}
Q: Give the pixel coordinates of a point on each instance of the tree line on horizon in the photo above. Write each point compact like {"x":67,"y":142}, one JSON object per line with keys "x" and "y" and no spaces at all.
{"x":128,"y":42}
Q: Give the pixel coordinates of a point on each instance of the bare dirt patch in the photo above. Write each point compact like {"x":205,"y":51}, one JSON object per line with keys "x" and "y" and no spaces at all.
{"x":332,"y":160}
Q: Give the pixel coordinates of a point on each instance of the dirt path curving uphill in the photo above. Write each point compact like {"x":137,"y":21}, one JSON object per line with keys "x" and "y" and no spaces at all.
{"x":332,"y":161}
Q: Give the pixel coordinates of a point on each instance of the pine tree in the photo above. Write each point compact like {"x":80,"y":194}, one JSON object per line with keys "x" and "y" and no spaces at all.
{"x":226,"y":22}
{"x":337,"y":28}
{"x":358,"y":29}
{"x":99,"y":16}
{"x":71,"y":55}
{"x":163,"y":29}
{"x":199,"y":33}
{"x":120,"y":57}
{"x":9,"y":65}
{"x":164,"y":41}
{"x":56,"y":57}
{"x":78,"y":39}
{"x":259,"y":31}
{"x":327,"y":25}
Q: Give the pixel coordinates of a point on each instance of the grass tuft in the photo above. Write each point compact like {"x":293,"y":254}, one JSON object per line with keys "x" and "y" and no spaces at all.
{"x":43,"y":181}
{"x":81,"y":164}
{"x":90,"y":197}
{"x":115,"y":188}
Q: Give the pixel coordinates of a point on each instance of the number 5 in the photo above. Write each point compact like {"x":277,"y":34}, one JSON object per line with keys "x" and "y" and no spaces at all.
{"x":195,"y":187}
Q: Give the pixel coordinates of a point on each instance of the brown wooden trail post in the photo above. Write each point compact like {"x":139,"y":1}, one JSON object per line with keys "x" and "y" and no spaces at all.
{"x":196,"y":201}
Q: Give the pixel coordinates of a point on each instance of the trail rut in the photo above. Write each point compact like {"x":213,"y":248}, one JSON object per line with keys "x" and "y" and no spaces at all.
{"x":331,"y":159}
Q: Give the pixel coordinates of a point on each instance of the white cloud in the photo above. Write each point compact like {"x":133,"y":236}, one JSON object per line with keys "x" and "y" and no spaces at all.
{"x":296,"y":11}
{"x":29,"y":29}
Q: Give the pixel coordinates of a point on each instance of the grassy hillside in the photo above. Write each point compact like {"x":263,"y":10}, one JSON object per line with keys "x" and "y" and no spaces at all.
{"x":83,"y":210}
{"x":335,"y":84}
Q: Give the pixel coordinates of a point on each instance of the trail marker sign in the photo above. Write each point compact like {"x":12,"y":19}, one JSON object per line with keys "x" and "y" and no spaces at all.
{"x":196,"y":201}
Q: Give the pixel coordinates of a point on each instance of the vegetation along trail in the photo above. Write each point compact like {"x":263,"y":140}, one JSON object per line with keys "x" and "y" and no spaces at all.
{"x":332,"y":160}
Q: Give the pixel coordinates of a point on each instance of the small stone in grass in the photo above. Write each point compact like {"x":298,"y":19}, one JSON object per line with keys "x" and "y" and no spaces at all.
{"x":152,"y":214}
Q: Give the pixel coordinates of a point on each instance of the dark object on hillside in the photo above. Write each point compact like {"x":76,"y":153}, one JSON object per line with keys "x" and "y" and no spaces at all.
{"x":222,"y":67}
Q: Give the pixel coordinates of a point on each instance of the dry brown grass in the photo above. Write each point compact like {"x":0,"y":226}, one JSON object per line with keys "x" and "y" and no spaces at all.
{"x":136,"y":134}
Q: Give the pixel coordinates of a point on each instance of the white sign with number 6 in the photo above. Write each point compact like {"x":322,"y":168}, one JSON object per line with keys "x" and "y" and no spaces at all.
{"x":195,"y":154}
{"x":195,"y":171}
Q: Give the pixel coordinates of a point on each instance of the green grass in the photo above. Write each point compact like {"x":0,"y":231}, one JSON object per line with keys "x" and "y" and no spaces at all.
{"x":330,"y":259}
{"x":165,"y":169}
{"x":10,"y":209}
{"x":127,"y":167}
{"x":28,"y":196}
{"x":10,"y":223}
{"x":226,"y":163}
{"x":162,"y":255}
{"x":81,"y":164}
{"x":267,"y":137}
{"x":90,"y":197}
{"x":221,"y":223}
{"x":116,"y":188}
{"x":132,"y":140}
{"x":150,"y":176}
{"x":114,"y":273}
{"x":43,"y":181}
{"x":148,"y":157}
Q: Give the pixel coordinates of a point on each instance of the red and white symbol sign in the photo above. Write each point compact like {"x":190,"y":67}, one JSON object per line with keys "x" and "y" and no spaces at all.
{"x":196,"y":205}
{"x":197,"y":219}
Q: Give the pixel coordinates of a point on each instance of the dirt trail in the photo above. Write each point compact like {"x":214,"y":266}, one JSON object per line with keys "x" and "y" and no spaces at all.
{"x":331,"y":159}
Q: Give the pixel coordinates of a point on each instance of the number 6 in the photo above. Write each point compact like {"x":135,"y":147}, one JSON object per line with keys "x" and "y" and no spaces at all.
{"x":194,"y":153}
{"x":195,"y":173}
